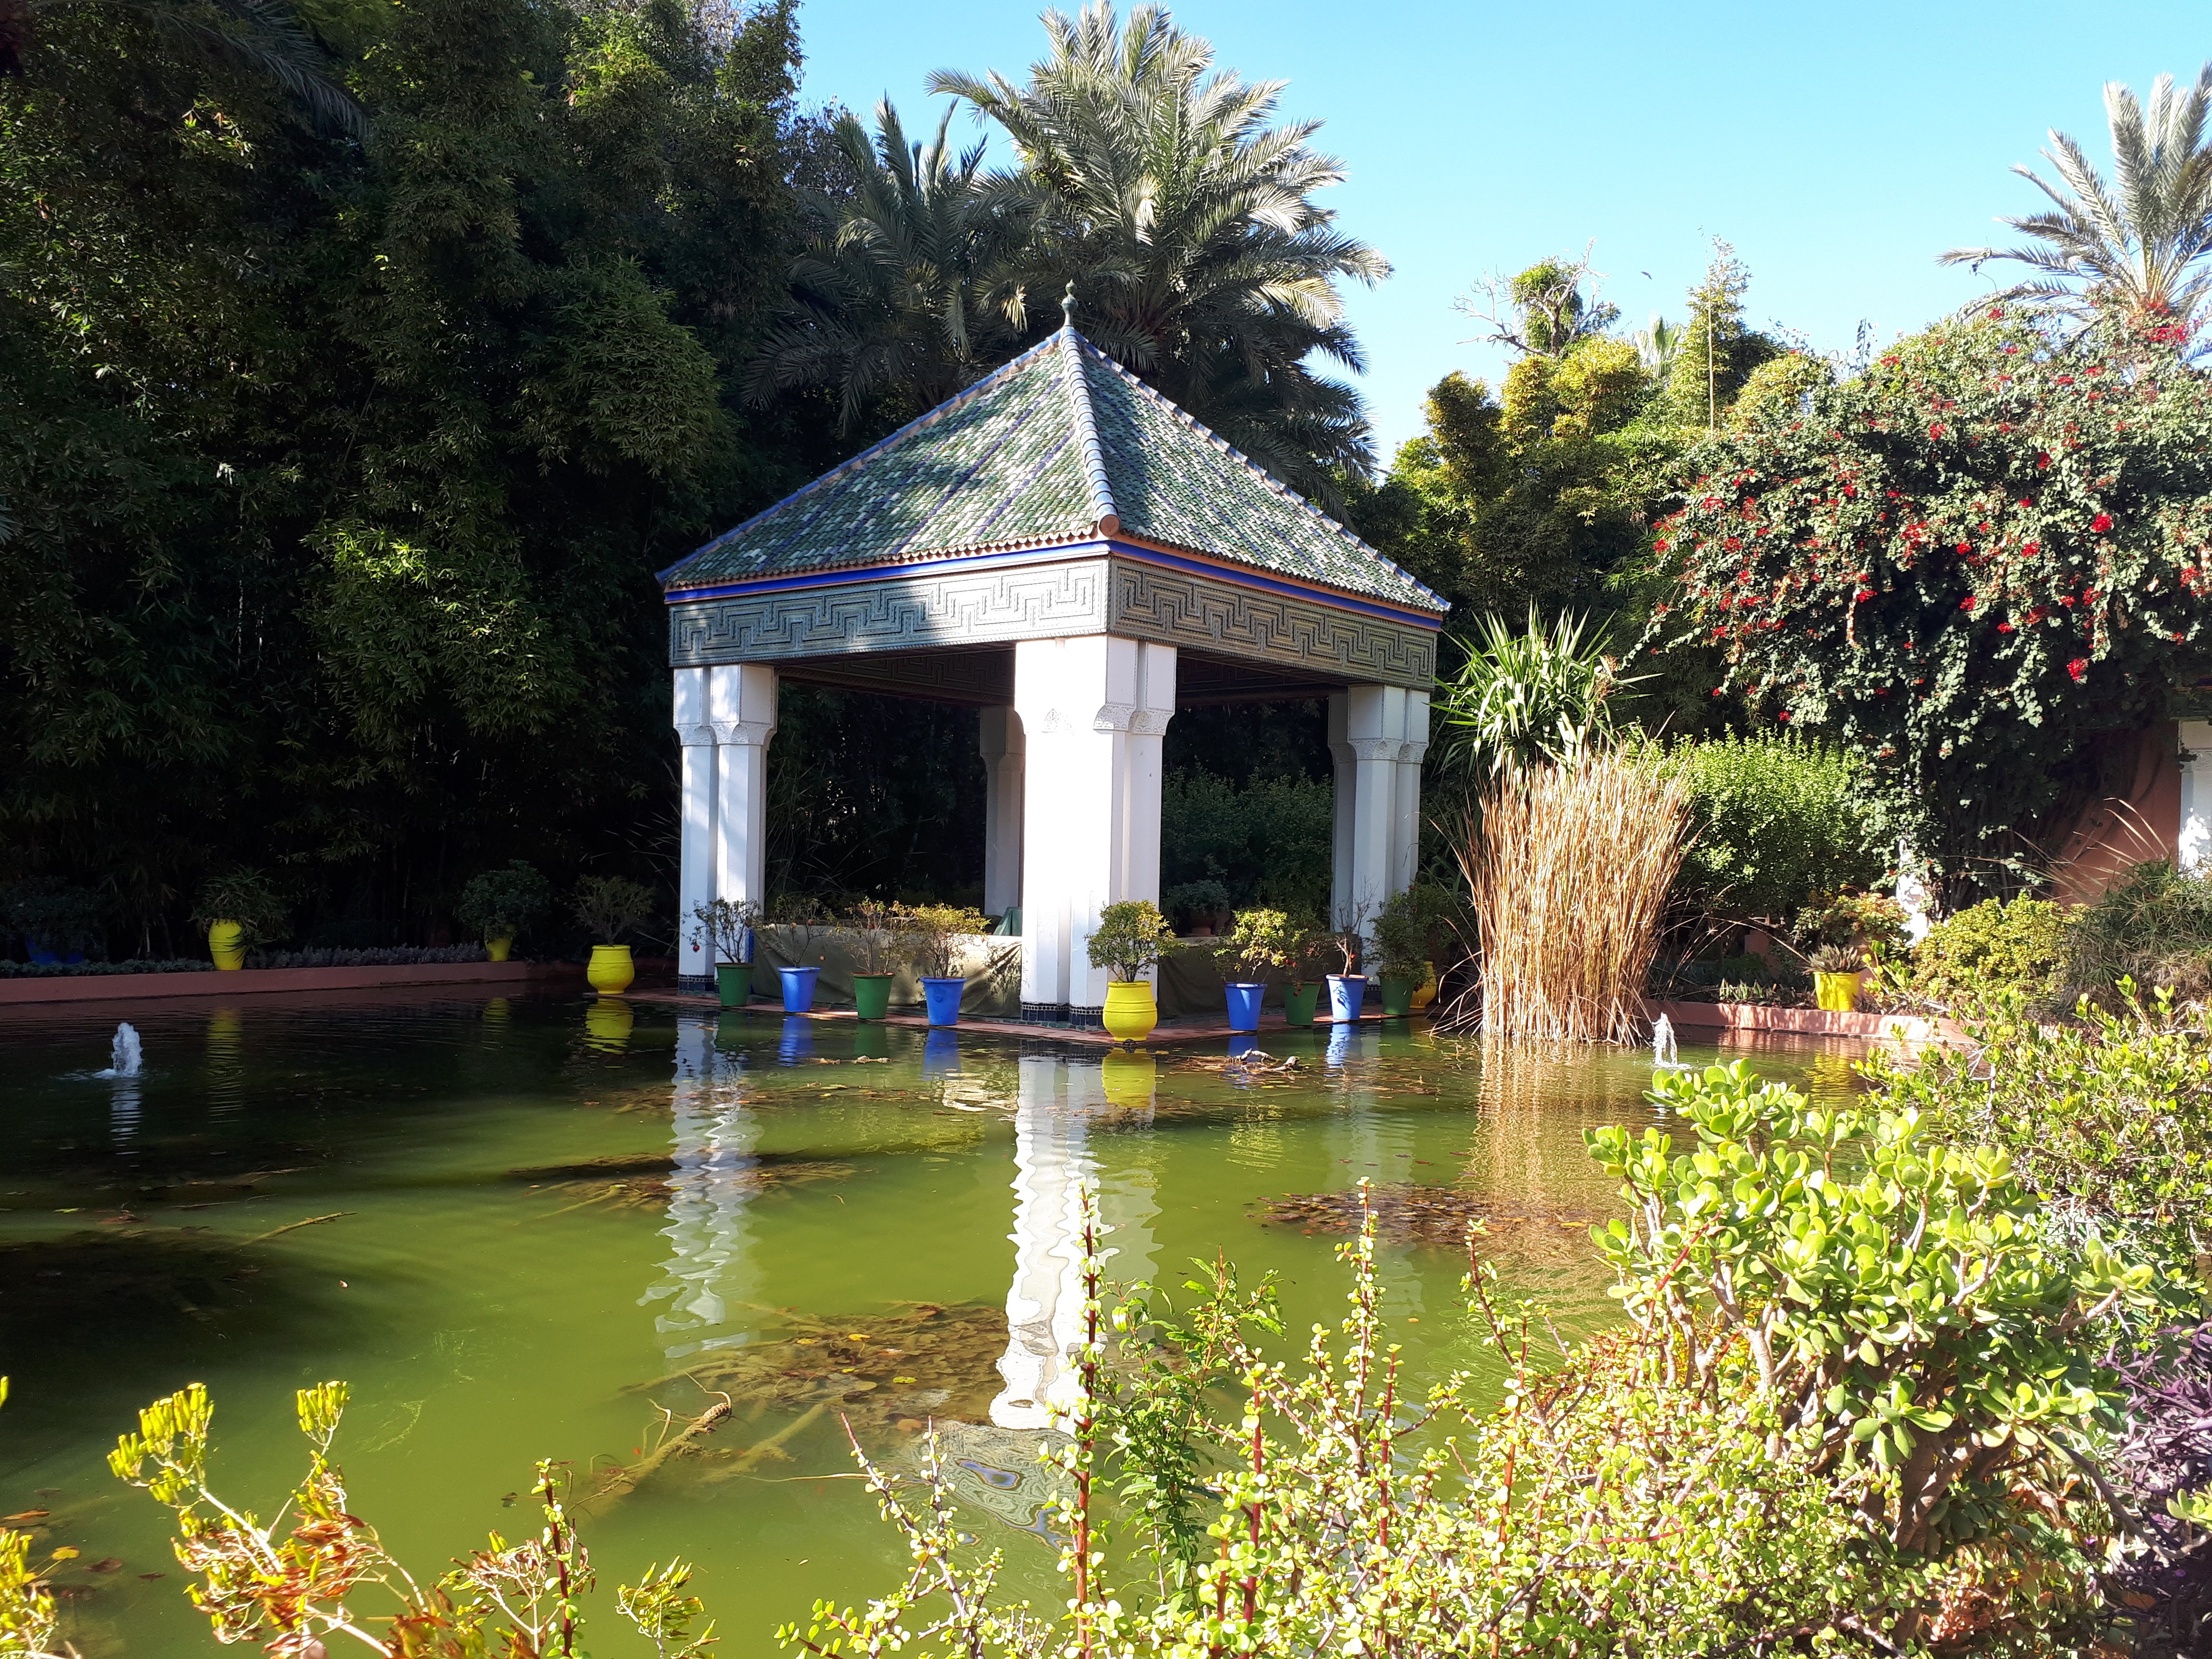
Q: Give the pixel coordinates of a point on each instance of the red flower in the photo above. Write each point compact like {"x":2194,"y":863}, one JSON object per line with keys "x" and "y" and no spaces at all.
{"x":2066,"y":380}
{"x":1851,"y":489}
{"x":2101,"y":523}
{"x":1935,"y":429}
{"x":1966,"y":604}
{"x":1864,"y":594}
{"x":2042,"y":461}
{"x":1660,"y":545}
{"x":2031,"y":549}
{"x":2004,"y":628}
{"x":2078,"y":667}
{"x":2024,"y":502}
{"x":1784,"y":715}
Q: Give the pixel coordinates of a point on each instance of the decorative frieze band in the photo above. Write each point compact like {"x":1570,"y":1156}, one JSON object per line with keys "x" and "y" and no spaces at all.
{"x":909,"y":613}
{"x":1124,"y":596}
{"x":1182,"y":609}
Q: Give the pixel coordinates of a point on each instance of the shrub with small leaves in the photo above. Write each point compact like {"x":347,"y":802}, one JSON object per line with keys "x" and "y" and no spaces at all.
{"x":2017,"y":944}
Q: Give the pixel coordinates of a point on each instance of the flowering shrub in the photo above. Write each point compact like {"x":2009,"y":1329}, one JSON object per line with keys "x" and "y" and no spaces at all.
{"x":1961,"y":564}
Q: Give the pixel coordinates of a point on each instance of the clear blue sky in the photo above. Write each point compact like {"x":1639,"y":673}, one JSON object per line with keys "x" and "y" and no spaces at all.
{"x":1840,"y":148}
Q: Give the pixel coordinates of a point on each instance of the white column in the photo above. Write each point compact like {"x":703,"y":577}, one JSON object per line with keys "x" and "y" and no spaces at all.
{"x":2193,"y":836}
{"x":1406,"y":807}
{"x":1044,"y":1304}
{"x":1093,"y":712}
{"x":1000,"y":737}
{"x":741,"y":704}
{"x":1346,"y":790}
{"x":1375,"y":728}
{"x":695,"y":881}
{"x":710,"y":1190}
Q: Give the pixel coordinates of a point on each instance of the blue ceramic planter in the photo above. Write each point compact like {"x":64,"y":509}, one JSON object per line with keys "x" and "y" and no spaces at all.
{"x":942,"y":996}
{"x":799,"y":988}
{"x":1345,"y":993}
{"x":1244,"y":1006}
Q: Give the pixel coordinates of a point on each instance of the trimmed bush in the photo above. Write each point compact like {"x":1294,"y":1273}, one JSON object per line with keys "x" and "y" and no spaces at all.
{"x":1999,"y":944}
{"x":1777,"y":821}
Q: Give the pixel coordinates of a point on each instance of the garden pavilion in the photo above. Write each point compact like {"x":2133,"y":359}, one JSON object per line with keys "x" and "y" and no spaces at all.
{"x":1063,"y":548}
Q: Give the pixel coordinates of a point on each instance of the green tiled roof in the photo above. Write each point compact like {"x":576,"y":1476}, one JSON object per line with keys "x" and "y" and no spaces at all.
{"x":1057,"y":445}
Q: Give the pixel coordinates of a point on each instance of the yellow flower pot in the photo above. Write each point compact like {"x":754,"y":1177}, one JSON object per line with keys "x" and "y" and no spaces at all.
{"x":1839,"y":993}
{"x":607,"y":1025}
{"x":227,"y":943}
{"x":1131,"y":1014}
{"x":610,"y":971}
{"x":1425,"y":992}
{"x":495,"y":950}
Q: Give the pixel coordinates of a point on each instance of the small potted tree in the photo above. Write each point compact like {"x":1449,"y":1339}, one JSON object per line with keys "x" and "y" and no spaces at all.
{"x":930,"y":935}
{"x":1398,"y":952}
{"x":608,"y":907}
{"x":800,"y":913}
{"x":1261,"y":943}
{"x":1131,"y":939}
{"x":497,"y":904}
{"x":872,"y":936}
{"x":1838,"y":934}
{"x":240,"y":910}
{"x":1347,"y":990}
{"x":727,"y":925}
{"x":58,"y":923}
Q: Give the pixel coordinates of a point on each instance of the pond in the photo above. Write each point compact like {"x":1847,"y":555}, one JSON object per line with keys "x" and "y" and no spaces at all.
{"x":540,"y":1228}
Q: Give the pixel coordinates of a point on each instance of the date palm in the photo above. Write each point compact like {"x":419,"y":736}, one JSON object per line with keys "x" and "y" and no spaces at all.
{"x":1187,"y":222}
{"x":907,"y":291}
{"x":2136,"y":243}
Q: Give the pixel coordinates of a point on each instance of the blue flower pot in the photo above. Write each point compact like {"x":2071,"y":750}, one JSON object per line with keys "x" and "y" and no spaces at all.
{"x":799,"y":988}
{"x":942,"y":996}
{"x":797,"y":1043}
{"x":1244,"y":1006}
{"x":1341,"y":1037}
{"x":1345,"y":993}
{"x":940,"y":1053}
{"x":45,"y":956}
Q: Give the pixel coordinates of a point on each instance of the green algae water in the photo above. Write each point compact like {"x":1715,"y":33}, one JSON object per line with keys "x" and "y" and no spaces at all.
{"x":550,"y":1229}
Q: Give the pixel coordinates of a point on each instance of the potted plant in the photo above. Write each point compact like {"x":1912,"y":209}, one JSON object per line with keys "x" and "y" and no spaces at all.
{"x":1131,"y":939}
{"x":1837,"y":972}
{"x":727,"y":925}
{"x":1261,"y":942}
{"x":58,"y":923}
{"x":498,"y":904}
{"x":1399,"y":951}
{"x":1307,"y":947}
{"x":801,"y":913}
{"x":1348,"y":990}
{"x":931,"y":936}
{"x":608,"y":907}
{"x":240,"y":910}
{"x":873,"y":937}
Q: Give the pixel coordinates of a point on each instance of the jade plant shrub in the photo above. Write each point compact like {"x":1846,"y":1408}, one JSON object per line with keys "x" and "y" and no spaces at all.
{"x":1959,"y":565}
{"x":306,"y":1573}
{"x":1777,"y":820}
{"x":500,"y":903}
{"x":1227,"y":1496}
{"x":2107,"y":1118}
{"x":2015,"y":944}
{"x":1895,"y":1301}
{"x":1130,"y":938}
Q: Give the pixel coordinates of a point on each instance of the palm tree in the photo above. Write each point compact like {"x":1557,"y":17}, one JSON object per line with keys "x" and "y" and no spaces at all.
{"x":907,"y":291}
{"x":2133,"y":246}
{"x":260,"y":38}
{"x":1186,"y":224}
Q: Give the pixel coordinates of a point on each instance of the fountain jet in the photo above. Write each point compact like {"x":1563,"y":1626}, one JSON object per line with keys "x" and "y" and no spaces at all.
{"x":123,"y":1058}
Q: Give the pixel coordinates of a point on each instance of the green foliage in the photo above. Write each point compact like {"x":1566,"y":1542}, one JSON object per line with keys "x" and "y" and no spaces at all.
{"x":1776,"y":820}
{"x":1265,"y":941}
{"x":1420,"y":924}
{"x":1896,"y":1301}
{"x":1860,"y":922}
{"x":51,"y":915}
{"x":1718,"y":352}
{"x":610,"y":906}
{"x":28,"y":1620}
{"x":2108,"y":1118}
{"x":1961,"y":565}
{"x":1537,"y":696}
{"x":336,"y":473}
{"x":250,"y":899}
{"x":502,"y":902}
{"x":1131,"y":937}
{"x":1270,"y":839}
{"x":2153,"y":925}
{"x":930,"y":934}
{"x":1998,"y":945}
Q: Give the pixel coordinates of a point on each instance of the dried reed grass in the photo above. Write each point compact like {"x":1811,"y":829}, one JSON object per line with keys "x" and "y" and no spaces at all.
{"x":1570,"y":870}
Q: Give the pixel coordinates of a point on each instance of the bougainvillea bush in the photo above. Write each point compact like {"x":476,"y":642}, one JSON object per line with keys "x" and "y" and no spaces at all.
{"x":1964,"y":563}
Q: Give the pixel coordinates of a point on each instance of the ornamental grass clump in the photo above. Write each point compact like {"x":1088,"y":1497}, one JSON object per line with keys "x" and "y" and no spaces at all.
{"x":1568,"y":870}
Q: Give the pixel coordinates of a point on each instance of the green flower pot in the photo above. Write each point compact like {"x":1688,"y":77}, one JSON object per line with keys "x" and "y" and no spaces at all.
{"x":872,"y":995}
{"x":1398,"y":995}
{"x":734,"y":980}
{"x":1298,"y":1002}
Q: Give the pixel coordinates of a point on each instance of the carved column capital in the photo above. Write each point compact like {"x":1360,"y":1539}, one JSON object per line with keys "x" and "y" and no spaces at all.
{"x":1114,"y":717}
{"x":1371,"y":749}
{"x":696,"y":737}
{"x":744,"y":734}
{"x":1410,"y":753}
{"x":1149,"y":722}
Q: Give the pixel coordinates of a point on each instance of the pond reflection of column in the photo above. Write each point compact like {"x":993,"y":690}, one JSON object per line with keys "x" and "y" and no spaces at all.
{"x":1057,"y":1103}
{"x":708,"y":1226}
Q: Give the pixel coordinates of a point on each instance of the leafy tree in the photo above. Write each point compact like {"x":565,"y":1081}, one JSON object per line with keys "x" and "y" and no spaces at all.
{"x":1187,"y":225}
{"x":1718,"y":351}
{"x":2133,"y":246}
{"x":1963,"y":564}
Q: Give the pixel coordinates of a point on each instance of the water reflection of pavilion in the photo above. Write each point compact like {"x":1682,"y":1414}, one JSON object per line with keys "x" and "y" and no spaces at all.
{"x":708,"y":1230}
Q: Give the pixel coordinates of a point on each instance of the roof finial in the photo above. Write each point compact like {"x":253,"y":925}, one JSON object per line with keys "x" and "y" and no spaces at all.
{"x":1067,"y":306}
